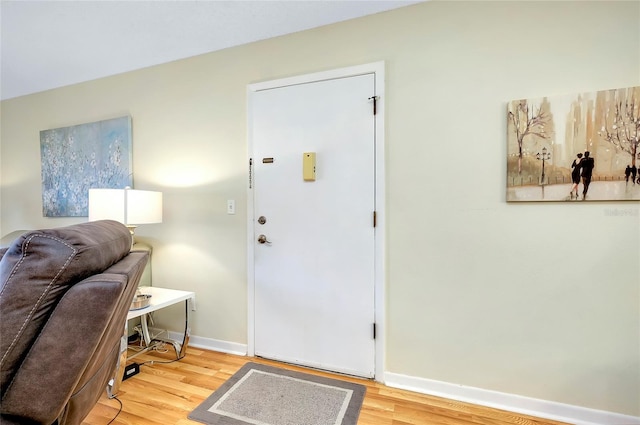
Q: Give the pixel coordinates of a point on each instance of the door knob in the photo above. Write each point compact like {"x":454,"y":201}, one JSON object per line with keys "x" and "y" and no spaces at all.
{"x":263,"y":239}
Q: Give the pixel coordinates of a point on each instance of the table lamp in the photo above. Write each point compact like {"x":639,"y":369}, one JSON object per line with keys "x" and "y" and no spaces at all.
{"x":128,"y":206}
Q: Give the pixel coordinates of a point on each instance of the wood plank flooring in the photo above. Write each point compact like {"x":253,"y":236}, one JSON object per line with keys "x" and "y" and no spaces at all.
{"x":165,"y":393}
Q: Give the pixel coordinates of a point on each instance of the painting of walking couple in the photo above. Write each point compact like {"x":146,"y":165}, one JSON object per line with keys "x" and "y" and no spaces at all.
{"x":580,"y":147}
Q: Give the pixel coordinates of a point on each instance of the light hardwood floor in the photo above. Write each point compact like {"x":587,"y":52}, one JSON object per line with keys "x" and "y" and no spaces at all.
{"x":163,"y":394}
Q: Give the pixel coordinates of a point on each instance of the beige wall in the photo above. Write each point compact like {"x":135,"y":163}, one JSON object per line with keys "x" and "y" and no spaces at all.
{"x":540,"y":300}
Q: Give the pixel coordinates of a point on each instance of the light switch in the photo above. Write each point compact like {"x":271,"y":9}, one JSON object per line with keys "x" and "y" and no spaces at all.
{"x":309,"y":166}
{"x":231,"y":206}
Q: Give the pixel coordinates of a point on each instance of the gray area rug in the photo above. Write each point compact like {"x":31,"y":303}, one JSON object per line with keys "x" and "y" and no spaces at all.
{"x":265,"y":395}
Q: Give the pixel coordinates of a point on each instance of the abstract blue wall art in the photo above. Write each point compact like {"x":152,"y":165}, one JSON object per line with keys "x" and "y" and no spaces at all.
{"x":80,"y":157}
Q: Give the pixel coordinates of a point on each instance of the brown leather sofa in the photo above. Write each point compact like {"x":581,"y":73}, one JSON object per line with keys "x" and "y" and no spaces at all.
{"x":64,"y":297}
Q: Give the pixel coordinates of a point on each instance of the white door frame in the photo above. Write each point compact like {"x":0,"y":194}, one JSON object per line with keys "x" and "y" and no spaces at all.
{"x":376,"y":68}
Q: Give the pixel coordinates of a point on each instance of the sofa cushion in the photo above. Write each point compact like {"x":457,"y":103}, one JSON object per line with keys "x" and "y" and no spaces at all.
{"x":37,"y":270}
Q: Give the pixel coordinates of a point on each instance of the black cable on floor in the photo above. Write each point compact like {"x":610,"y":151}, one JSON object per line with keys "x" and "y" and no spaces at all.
{"x":119,"y":410}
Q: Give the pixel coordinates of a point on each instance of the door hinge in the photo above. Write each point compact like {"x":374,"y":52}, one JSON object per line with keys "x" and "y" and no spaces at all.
{"x":250,"y":172}
{"x":375,"y":104}
{"x":375,"y":219}
{"x":374,"y":330}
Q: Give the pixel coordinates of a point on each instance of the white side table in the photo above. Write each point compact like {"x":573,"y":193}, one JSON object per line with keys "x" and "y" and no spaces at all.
{"x":160,"y":298}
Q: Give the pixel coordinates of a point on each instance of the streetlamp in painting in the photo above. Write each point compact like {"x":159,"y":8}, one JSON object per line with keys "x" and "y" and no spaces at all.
{"x":544,"y":156}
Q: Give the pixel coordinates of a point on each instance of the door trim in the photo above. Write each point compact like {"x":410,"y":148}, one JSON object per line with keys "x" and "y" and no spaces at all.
{"x":376,"y":68}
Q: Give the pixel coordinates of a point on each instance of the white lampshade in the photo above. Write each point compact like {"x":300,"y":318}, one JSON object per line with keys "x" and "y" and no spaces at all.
{"x":128,"y":206}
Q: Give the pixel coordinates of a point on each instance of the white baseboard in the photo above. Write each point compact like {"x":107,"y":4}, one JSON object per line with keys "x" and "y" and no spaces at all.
{"x":212,"y":344}
{"x":514,"y":403}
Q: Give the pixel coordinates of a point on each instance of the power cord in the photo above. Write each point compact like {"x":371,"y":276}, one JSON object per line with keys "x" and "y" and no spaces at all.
{"x":152,"y":362}
{"x":155,"y":345}
{"x":119,"y":410}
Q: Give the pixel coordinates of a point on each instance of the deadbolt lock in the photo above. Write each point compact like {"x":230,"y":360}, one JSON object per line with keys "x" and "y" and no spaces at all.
{"x":262,"y":219}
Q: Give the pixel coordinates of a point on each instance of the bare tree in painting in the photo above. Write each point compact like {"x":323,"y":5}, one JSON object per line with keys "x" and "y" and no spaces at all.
{"x":526,"y":123}
{"x":622,"y":127}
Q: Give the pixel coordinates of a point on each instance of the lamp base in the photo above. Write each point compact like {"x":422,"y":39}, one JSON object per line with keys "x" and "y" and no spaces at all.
{"x":132,"y":230}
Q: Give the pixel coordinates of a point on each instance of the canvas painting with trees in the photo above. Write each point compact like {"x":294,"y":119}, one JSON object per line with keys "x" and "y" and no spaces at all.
{"x":580,"y":147}
{"x":80,"y":157}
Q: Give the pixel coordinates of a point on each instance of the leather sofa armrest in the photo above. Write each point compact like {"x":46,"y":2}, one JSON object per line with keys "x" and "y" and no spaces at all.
{"x":138,"y":245}
{"x":70,"y":339}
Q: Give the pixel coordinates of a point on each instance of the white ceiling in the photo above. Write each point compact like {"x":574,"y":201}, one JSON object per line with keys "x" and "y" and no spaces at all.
{"x":49,"y":44}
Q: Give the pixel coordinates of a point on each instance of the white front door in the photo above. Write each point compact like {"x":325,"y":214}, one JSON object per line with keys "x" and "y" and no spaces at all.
{"x":314,"y":265}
